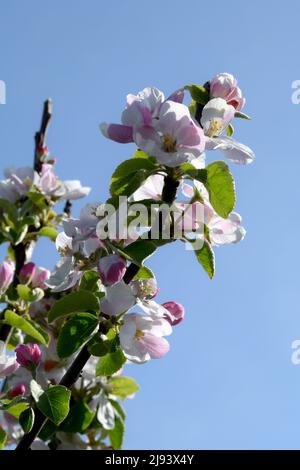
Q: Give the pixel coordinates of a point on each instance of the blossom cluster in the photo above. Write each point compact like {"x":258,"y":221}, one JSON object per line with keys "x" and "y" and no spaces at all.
{"x":101,"y":299}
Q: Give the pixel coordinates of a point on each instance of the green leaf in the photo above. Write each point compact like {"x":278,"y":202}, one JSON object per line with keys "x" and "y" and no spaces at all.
{"x":17,"y":321}
{"x":206,"y":258}
{"x":129,"y":176}
{"x":3,"y":438}
{"x":198,"y":93}
{"x":10,"y":209}
{"x":37,"y":198}
{"x":139,"y":251}
{"x":30,"y":295}
{"x":119,"y":409}
{"x":116,"y":435}
{"x":54,"y":403}
{"x":90,"y":281}
{"x":122,"y":386}
{"x":26,"y":420}
{"x":49,"y":232}
{"x":73,"y":303}
{"x":75,"y":333}
{"x":140,"y":154}
{"x":16,"y":410}
{"x":144,"y":273}
{"x":229,"y":130}
{"x":238,"y":114}
{"x":19,"y":234}
{"x":220,"y":185}
{"x":47,"y":430}
{"x":190,"y":170}
{"x":110,"y":363}
{"x":6,"y":404}
{"x":79,"y":418}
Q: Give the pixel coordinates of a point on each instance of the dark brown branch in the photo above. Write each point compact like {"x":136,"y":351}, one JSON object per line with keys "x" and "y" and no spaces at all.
{"x":40,"y":136}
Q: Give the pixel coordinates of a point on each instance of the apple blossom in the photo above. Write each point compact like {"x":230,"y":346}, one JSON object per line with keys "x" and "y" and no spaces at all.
{"x":7,"y":271}
{"x":224,"y":85}
{"x":40,"y":276}
{"x":175,"y":138}
{"x":27,"y":272}
{"x":17,"y":390}
{"x":8,"y":363}
{"x":216,"y":116}
{"x":141,"y":109}
{"x":111,"y":269}
{"x":176,"y":312}
{"x":28,"y":355}
{"x":141,"y":337}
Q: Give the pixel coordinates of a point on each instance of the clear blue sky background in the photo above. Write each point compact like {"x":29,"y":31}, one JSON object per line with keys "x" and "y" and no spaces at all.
{"x":228,"y":382}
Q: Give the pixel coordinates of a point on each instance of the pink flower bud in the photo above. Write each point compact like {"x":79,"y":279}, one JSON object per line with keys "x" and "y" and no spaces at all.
{"x":176,"y":311}
{"x":224,"y":85}
{"x":27,"y":272}
{"x":28,"y":355}
{"x":39,"y":278}
{"x":16,"y":391}
{"x":6,"y":276}
{"x":111,"y":269}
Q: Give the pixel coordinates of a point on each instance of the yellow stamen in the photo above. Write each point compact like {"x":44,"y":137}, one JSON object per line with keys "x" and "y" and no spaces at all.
{"x":139,"y":334}
{"x":215,"y":127}
{"x":169,"y":144}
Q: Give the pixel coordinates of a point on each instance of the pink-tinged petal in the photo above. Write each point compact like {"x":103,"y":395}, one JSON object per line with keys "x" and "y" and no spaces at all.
{"x":233,"y":150}
{"x":177,"y":96}
{"x":156,"y":347}
{"x":148,"y":140}
{"x":119,"y":298}
{"x":151,"y":189}
{"x":117,"y":132}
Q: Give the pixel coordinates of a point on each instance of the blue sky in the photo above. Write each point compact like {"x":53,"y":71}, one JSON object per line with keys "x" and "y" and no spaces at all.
{"x":228,"y":382}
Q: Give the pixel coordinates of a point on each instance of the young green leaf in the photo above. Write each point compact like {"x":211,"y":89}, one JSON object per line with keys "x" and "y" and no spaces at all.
{"x":49,"y":232}
{"x":139,"y":251}
{"x":206,"y":258}
{"x":55,"y":403}
{"x":129,"y":175}
{"x":79,"y":418}
{"x":110,"y":363}
{"x":90,"y":281}
{"x":122,"y":386}
{"x":73,"y":303}
{"x":26,"y":326}
{"x":75,"y":333}
{"x":198,"y":93}
{"x":220,"y":186}
{"x":116,"y":435}
{"x":26,"y":420}
{"x":3,"y":438}
{"x":238,"y":114}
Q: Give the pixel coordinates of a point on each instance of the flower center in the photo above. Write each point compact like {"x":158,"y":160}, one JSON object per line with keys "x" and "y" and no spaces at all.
{"x":215,"y":127}
{"x":169,"y":145}
{"x":139,"y":334}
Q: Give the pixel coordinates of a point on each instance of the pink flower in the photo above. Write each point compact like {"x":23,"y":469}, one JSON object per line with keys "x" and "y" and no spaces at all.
{"x":141,"y":337}
{"x":6,"y":276}
{"x":176,"y":312}
{"x":111,"y":269}
{"x":40,"y":276}
{"x":49,"y":181}
{"x":27,"y":272}
{"x":140,"y":111}
{"x":28,"y":355}
{"x":216,"y":116}
{"x":17,"y":390}
{"x":224,"y":85}
{"x":175,"y":138}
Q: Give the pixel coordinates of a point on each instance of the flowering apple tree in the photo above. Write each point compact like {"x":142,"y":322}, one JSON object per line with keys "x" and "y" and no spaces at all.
{"x":67,"y":334}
